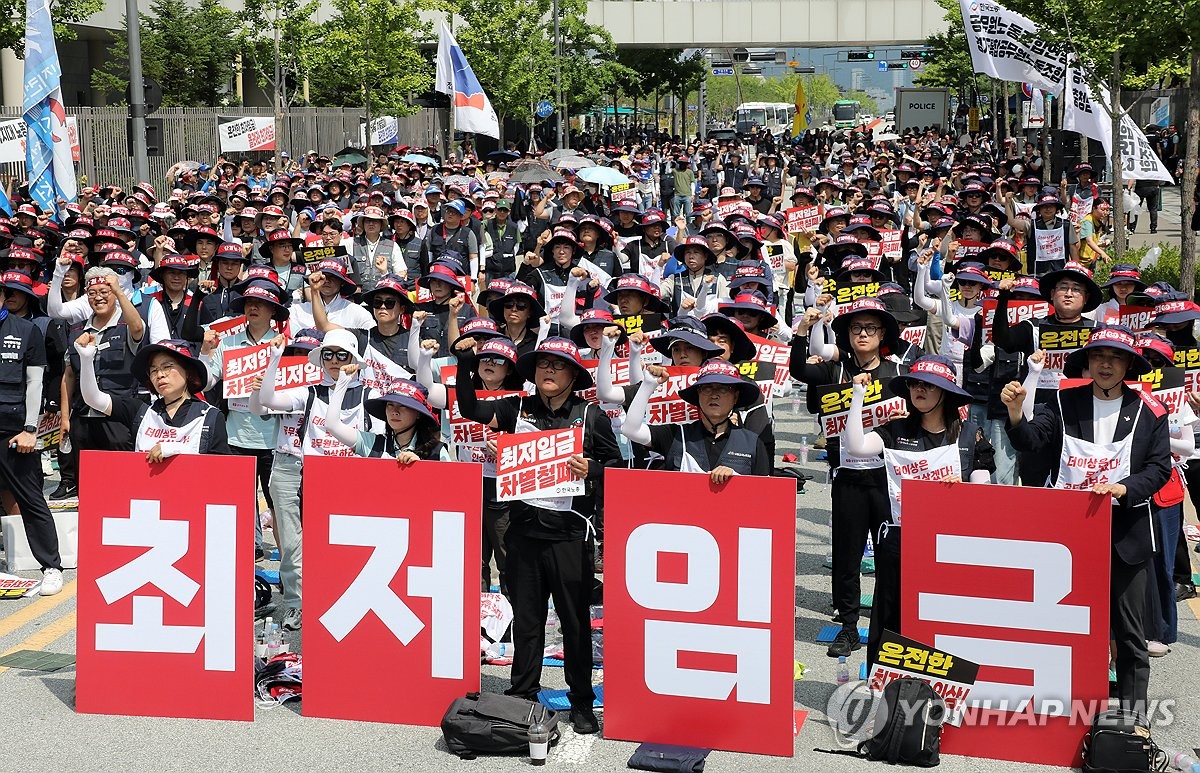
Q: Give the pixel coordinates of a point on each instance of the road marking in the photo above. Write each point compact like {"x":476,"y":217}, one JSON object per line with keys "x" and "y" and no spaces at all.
{"x":46,"y":636}
{"x":37,"y":609}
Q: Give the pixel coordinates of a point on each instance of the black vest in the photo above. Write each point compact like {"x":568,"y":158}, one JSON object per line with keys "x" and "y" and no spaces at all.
{"x":503,"y":260}
{"x":441,"y":239}
{"x":738,"y":453}
{"x":113,"y":363}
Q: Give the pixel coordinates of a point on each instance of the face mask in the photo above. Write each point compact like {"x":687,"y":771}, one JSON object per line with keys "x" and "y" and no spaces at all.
{"x":126,"y":282}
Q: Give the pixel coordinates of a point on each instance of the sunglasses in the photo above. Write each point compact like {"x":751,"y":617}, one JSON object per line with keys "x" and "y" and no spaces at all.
{"x":552,"y":363}
{"x":518,"y":305}
{"x":489,"y":360}
{"x":384,"y":303}
{"x":121,"y":270}
{"x":340,"y":355}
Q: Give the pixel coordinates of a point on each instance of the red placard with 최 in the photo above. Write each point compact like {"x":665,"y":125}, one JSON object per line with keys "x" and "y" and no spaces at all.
{"x":239,"y":368}
{"x":802,"y":219}
{"x":229,"y":326}
{"x":727,"y":208}
{"x":166,"y":582}
{"x":1018,"y":311}
{"x":1022,"y":588}
{"x":533,"y":465}
{"x":969,"y":248}
{"x":391,"y":593}
{"x":297,"y":371}
{"x":1136,"y":318}
{"x":699,"y":629}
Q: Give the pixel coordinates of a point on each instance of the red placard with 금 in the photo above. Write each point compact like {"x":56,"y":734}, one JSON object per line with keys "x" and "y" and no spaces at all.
{"x":700,"y":629}
{"x":1022,"y":589}
{"x":166,"y":586}
{"x":391,"y":593}
{"x":239,"y":368}
{"x":802,"y":219}
{"x":1018,"y":311}
{"x":533,"y":465}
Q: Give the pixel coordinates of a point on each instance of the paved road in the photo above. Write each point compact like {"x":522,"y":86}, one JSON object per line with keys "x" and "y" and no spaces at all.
{"x":45,"y":733}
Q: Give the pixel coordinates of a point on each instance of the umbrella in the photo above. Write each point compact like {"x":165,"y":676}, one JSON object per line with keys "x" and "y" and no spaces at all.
{"x":350,"y":158}
{"x":603,"y":175}
{"x":559,"y":153}
{"x":193,"y":165}
{"x":504,"y":155}
{"x":533,"y":171}
{"x":492,"y":177}
{"x":572,"y":162}
{"x":417,"y":158}
{"x":886,"y":137}
{"x":457,"y":179}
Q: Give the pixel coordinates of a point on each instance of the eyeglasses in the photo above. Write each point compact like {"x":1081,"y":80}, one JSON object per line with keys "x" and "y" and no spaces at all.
{"x":518,"y":305}
{"x":552,"y":363}
{"x":384,"y":303}
{"x":329,"y":355}
{"x":1069,"y":289}
{"x":489,"y":360}
{"x":860,"y":329}
{"x":164,"y":369}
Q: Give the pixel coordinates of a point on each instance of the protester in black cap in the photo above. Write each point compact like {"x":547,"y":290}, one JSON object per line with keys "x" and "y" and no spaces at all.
{"x":695,"y":290}
{"x":21,"y":395}
{"x":928,"y":430}
{"x":1053,"y":241}
{"x":714,"y":443}
{"x":1124,"y":280}
{"x":866,"y":334}
{"x":329,"y":304}
{"x":125,"y":267}
{"x":502,"y":240}
{"x":651,"y":250}
{"x":1105,"y":419}
{"x":550,"y":552}
{"x":173,"y":273}
{"x":448,"y":308}
{"x":389,"y":303}
{"x":278,"y":251}
{"x":518,"y":315}
{"x":549,"y":269}
{"x":175,"y":423}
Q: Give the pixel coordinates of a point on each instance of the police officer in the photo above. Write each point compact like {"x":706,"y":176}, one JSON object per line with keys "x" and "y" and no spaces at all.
{"x":22,"y":368}
{"x":550,"y":551}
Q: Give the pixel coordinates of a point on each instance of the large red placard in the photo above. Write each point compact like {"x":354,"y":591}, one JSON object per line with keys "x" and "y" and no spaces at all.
{"x":391,"y":591}
{"x":1016,"y":580}
{"x":699,"y":610}
{"x":166,"y":579}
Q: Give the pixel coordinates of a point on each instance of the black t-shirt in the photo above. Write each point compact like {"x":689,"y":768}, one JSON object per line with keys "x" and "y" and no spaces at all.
{"x":984,"y":457}
{"x":214,"y":440}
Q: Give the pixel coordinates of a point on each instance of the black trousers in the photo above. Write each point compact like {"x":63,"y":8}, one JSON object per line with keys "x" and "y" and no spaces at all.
{"x":860,"y":505}
{"x":21,"y":474}
{"x":886,"y":610}
{"x":1127,"y":608}
{"x":263,"y":459}
{"x":537,"y":571}
{"x":100,"y":434}
{"x":495,"y":527}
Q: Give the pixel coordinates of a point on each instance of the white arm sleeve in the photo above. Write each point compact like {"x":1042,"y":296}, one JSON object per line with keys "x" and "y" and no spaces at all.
{"x":605,"y":391}
{"x":438,"y":395}
{"x":855,"y":441}
{"x":333,"y":417}
{"x":567,"y":318}
{"x":1030,"y":384}
{"x":87,"y":382}
{"x":634,"y":427}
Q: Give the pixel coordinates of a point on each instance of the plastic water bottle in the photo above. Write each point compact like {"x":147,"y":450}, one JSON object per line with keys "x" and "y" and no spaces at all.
{"x":804,"y":448}
{"x":498,"y":650}
{"x":539,"y":742}
{"x":862,"y":671}
{"x":273,"y":639}
{"x":553,"y":636}
{"x":843,"y":670}
{"x":1181,"y":760}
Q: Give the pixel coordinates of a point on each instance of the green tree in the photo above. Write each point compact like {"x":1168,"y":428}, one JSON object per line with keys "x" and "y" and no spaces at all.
{"x":370,"y":56}
{"x":189,"y":50}
{"x":510,"y":48}
{"x":299,"y":38}
{"x":63,"y":13}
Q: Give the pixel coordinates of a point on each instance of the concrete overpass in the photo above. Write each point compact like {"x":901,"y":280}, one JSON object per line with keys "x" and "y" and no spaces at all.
{"x":767,"y":23}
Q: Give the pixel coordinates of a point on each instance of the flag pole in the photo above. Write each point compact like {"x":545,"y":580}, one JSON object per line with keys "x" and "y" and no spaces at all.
{"x":137,"y":93}
{"x":453,"y":89}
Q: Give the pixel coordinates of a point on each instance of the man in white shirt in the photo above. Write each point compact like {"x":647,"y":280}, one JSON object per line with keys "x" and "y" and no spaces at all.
{"x":329,"y":283}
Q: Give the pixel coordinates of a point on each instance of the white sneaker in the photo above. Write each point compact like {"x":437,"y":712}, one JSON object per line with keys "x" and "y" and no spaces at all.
{"x":52,"y":582}
{"x":291,"y":619}
{"x":1157,"y":649}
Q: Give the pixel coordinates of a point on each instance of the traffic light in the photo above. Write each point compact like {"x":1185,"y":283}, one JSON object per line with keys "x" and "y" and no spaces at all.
{"x":897,"y":65}
{"x":859,"y":56}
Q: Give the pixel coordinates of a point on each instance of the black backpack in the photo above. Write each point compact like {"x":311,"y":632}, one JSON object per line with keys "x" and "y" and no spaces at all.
{"x":908,"y":725}
{"x":487,"y":723}
{"x":1118,"y":741}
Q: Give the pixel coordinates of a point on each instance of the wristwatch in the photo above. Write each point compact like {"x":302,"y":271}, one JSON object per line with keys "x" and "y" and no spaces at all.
{"x":31,"y":428}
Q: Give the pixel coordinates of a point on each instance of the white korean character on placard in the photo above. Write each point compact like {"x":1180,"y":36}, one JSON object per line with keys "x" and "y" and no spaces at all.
{"x":371,"y":590}
{"x":168,"y":542}
{"x":665,"y":639}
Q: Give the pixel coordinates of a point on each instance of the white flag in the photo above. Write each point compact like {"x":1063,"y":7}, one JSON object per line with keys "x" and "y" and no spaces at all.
{"x":473,"y":110}
{"x":1006,"y":45}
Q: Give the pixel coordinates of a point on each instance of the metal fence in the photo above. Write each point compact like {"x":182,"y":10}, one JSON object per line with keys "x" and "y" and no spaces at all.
{"x":191,"y":134}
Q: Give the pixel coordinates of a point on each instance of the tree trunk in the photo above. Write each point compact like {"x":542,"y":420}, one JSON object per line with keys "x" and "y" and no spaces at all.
{"x":1187,"y":261}
{"x":1120,"y":236}
{"x":683,"y":117}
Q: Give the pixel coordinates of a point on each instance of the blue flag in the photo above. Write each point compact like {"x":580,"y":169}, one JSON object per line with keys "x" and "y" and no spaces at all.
{"x":47,"y":143}
{"x":5,"y":204}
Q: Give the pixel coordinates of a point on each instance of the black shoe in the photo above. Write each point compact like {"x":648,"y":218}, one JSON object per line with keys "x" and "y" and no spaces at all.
{"x":1153,"y":230}
{"x":65,"y":492}
{"x":259,"y":554}
{"x":584,"y":721}
{"x":847,"y":641}
{"x":1184,"y":591}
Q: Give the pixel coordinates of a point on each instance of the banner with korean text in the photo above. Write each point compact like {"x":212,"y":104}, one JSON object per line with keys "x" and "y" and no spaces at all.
{"x":391,"y":592}
{"x":166,"y":586}
{"x":699,"y":630}
{"x":1021,"y":588}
